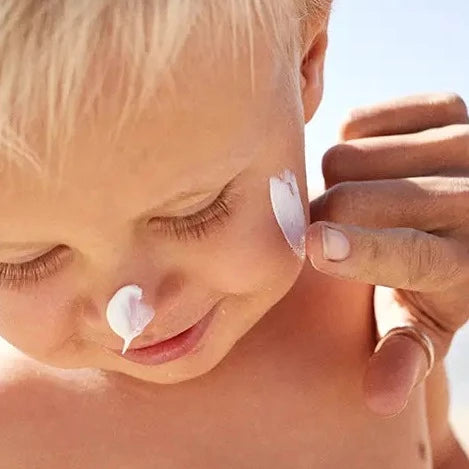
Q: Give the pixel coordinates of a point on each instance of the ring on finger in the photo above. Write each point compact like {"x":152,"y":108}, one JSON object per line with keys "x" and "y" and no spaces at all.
{"x":419,"y":336}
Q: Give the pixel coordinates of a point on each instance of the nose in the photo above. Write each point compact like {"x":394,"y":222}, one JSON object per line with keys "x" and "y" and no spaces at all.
{"x":127,"y":315}
{"x":161,"y":293}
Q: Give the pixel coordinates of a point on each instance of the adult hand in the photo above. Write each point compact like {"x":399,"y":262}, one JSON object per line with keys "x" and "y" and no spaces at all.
{"x":397,"y":200}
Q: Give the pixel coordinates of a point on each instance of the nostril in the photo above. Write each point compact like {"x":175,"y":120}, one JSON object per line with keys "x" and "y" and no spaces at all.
{"x":169,"y":292}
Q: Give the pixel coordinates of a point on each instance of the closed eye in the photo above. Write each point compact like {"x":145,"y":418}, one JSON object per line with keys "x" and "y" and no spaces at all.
{"x":17,"y":276}
{"x":196,"y":226}
{"x":201,"y":223}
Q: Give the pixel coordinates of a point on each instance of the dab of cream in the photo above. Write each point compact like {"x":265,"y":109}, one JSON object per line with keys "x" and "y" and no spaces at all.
{"x":288,"y":210}
{"x":127,"y":315}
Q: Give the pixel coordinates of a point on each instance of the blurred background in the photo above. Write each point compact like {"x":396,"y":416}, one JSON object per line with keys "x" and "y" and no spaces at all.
{"x":380,"y":51}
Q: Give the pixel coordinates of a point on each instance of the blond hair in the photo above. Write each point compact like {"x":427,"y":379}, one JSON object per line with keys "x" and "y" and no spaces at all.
{"x":47,"y":49}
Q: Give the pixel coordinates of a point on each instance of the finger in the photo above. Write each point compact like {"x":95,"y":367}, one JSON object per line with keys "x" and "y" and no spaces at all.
{"x":387,"y":389}
{"x":398,"y":156}
{"x":401,"y":258}
{"x":405,"y":115}
{"x":429,"y":204}
{"x":392,"y":374}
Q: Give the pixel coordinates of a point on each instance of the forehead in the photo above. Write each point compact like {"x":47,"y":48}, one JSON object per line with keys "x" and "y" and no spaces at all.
{"x":205,"y":105}
{"x":205,"y":120}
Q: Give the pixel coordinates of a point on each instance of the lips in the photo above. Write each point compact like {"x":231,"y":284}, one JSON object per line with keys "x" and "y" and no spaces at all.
{"x":152,"y":344}
{"x":171,"y":348}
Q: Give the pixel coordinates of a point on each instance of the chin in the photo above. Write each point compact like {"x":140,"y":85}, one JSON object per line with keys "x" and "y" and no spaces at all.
{"x":234,"y":322}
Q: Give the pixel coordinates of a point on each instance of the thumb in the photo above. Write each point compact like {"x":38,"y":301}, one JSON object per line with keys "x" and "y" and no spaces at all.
{"x":392,"y":374}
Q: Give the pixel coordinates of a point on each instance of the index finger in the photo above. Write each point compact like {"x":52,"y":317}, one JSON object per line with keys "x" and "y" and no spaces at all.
{"x":405,"y":115}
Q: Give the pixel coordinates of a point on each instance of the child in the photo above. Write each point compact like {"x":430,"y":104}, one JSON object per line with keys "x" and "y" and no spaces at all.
{"x":139,"y":140}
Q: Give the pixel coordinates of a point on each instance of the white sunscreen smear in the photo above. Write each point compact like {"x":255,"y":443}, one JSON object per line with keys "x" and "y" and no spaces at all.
{"x":127,"y":315}
{"x":288,"y":210}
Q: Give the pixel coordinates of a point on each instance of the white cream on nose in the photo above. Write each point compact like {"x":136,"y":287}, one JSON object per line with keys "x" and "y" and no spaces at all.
{"x":288,"y":210}
{"x":127,"y":314}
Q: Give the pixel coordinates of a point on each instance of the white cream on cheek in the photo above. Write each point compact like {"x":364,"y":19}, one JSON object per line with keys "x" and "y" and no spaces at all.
{"x":288,"y":210}
{"x":127,"y":315}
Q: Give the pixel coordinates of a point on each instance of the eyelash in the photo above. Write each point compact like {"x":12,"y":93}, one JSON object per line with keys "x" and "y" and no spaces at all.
{"x":17,"y":276}
{"x":197,"y":225}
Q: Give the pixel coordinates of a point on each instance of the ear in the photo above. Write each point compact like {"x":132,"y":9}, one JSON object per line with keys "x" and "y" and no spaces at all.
{"x":312,"y":72}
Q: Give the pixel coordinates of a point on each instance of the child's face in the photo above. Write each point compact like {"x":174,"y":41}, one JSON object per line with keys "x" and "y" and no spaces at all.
{"x":114,"y":223}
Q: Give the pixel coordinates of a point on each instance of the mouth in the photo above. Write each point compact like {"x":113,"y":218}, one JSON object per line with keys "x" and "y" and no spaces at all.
{"x":170,"y":349}
{"x":156,"y":342}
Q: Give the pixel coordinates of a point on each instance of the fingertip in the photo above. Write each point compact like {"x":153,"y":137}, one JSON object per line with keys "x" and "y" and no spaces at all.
{"x":391,"y":376}
{"x":313,"y":231}
{"x":381,"y":396}
{"x":312,"y":239}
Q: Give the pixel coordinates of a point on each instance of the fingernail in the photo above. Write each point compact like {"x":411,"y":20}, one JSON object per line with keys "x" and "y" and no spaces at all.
{"x":335,"y":245}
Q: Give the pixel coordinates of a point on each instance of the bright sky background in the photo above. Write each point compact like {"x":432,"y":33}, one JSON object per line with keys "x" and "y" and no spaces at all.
{"x":379,"y":50}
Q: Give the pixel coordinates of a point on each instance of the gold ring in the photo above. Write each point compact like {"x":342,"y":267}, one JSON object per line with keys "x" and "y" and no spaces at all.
{"x":419,"y":336}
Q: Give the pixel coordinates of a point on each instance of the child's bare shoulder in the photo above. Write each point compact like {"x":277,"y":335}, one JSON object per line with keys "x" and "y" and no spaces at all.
{"x":21,"y":376}
{"x":35,"y":402}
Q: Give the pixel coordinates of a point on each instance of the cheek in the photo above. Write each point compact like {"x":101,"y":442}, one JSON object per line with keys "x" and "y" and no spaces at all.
{"x":264,"y":270}
{"x":36,"y":323}
{"x":252,"y":256}
{"x":288,"y":210}
{"x":261,"y":259}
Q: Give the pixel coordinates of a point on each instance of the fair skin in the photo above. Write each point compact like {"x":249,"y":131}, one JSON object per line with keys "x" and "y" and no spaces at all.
{"x":108,"y":238}
{"x":279,"y":370}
